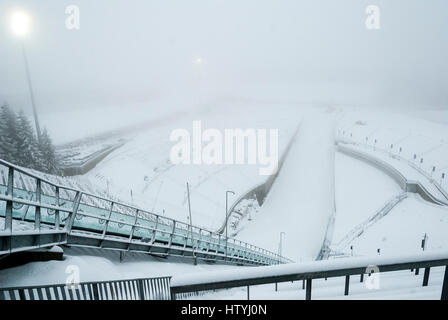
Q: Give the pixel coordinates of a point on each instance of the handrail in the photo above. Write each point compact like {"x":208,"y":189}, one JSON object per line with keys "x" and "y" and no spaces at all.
{"x":309,"y":271}
{"x":140,"y":219}
{"x":405,"y":184}
{"x":128,"y":289}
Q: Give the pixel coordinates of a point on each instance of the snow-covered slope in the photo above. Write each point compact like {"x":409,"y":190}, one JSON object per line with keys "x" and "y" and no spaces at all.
{"x":142,"y":166}
{"x":301,"y":200}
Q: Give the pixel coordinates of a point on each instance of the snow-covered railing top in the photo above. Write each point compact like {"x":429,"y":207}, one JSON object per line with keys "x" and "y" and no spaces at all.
{"x":239,"y":277}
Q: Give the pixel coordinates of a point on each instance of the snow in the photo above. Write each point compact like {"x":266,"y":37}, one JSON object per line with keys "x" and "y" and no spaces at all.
{"x":98,"y":265}
{"x":249,"y":273}
{"x":399,"y":285}
{"x":402,"y":231}
{"x":361,"y":190}
{"x":301,"y":200}
{"x":142,"y":165}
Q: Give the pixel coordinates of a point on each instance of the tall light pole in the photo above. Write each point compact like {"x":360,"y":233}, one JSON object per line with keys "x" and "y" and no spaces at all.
{"x":227,"y":216}
{"x":20,"y":26}
{"x":191,"y":225}
{"x":280,"y":245}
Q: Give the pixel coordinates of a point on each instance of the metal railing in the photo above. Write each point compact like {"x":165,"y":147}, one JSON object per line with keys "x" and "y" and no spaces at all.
{"x":405,"y":184}
{"x":307,"y":272}
{"x":135,"y":289}
{"x":399,"y":157}
{"x":89,"y":220}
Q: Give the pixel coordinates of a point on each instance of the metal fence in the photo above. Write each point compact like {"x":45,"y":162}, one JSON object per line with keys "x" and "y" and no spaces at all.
{"x":39,"y":213}
{"x":307,"y":272}
{"x":135,"y":289}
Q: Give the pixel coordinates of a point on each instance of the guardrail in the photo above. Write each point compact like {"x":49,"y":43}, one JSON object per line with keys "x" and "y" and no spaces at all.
{"x":93,"y":221}
{"x":403,"y":182}
{"x":135,"y":289}
{"x":308,"y":272}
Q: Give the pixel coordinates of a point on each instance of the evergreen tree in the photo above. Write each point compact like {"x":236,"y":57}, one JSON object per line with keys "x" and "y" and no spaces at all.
{"x":9,"y":149}
{"x":27,"y":143}
{"x":19,"y":144}
{"x":49,"y":159}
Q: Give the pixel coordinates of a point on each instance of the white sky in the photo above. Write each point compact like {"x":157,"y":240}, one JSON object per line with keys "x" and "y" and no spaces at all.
{"x":132,"y":51}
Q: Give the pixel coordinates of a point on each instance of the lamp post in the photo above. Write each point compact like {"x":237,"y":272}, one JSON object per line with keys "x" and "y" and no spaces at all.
{"x":280,"y":246}
{"x":20,"y":26}
{"x":191,"y":225}
{"x":227,"y":216}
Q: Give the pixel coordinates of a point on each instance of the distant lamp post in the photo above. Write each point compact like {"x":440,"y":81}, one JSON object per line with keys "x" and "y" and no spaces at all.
{"x":280,"y":246}
{"x":227,"y":216}
{"x":20,"y":27}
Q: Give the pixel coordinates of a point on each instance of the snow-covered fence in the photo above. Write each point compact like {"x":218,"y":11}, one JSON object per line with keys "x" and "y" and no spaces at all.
{"x":246,"y":277}
{"x":405,"y":184}
{"x":90,"y":220}
{"x":135,"y":289}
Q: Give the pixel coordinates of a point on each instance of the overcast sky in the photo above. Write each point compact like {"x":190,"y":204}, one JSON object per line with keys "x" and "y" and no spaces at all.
{"x":132,"y":51}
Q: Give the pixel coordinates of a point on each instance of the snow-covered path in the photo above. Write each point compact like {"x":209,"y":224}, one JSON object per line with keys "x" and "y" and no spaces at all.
{"x":302,"y":198}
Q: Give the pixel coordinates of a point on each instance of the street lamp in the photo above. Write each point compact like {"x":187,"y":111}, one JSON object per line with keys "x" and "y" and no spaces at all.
{"x":280,"y":246}
{"x":227,"y":216}
{"x":20,"y":27}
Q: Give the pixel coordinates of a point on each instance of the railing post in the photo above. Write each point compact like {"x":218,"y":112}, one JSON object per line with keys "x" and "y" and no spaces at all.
{"x":76,"y":202}
{"x":347,"y":284}
{"x":56,"y":214}
{"x":9,"y":203}
{"x":308,"y":289}
{"x":426,"y":277}
{"x":444,"y":295}
{"x":38,"y":199}
{"x":140,"y":289}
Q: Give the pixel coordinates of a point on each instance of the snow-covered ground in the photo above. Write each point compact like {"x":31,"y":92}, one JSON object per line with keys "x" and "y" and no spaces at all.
{"x":361,"y":189}
{"x":142,"y":166}
{"x":98,"y":265}
{"x":403,"y":228}
{"x":313,"y":182}
{"x":301,"y":200}
{"x":421,"y":133}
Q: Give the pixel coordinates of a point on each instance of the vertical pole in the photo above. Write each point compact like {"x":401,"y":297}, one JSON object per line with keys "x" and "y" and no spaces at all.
{"x":361,"y":278}
{"x":9,"y":203}
{"x":30,"y":87}
{"x":191,"y":225}
{"x":226,"y":220}
{"x":276,"y":286}
{"x":347,"y":284}
{"x":56,"y":215}
{"x":70,"y":221}
{"x":248,"y":293}
{"x":444,"y":295}
{"x":426,"y":277}
{"x":38,"y":198}
{"x":140,"y":289}
{"x":308,"y":289}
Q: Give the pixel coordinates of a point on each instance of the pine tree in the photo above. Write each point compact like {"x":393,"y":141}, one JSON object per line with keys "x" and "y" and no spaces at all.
{"x":9,"y":149}
{"x":49,"y":159}
{"x":27,"y":143}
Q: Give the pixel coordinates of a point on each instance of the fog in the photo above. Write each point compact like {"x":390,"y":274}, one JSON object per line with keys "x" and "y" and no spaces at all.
{"x":132,"y":52}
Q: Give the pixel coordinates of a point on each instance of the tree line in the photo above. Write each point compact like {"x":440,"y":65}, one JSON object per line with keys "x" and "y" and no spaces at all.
{"x":21,"y":146}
